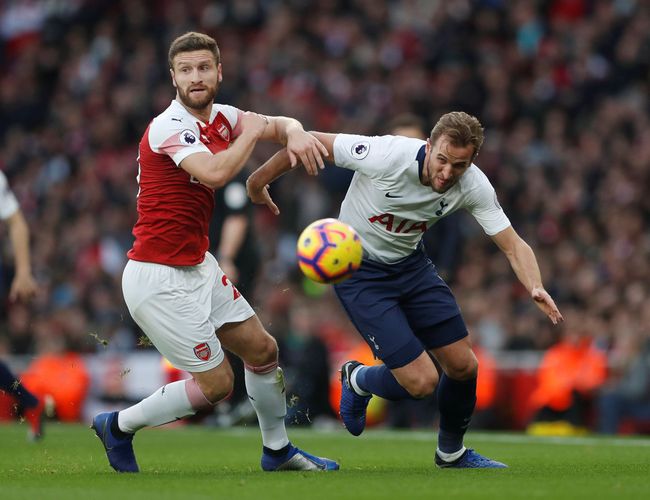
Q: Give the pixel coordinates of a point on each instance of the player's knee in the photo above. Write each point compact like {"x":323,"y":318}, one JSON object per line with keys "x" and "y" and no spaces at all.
{"x":218,"y":388}
{"x":465,"y":369}
{"x":423,"y":385}
{"x":265,"y":352}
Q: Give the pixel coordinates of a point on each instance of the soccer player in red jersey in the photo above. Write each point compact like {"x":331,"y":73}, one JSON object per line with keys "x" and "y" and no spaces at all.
{"x":174,"y":288}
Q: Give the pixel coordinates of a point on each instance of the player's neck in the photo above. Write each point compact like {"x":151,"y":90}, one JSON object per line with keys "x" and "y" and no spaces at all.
{"x":202,"y":114}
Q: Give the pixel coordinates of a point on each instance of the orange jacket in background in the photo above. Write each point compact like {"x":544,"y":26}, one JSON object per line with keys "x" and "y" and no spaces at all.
{"x":486,"y":384}
{"x":64,"y":377}
{"x":568,"y":367}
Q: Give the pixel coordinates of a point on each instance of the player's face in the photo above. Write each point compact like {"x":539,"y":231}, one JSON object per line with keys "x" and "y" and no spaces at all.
{"x":196,"y":76}
{"x":444,"y":164}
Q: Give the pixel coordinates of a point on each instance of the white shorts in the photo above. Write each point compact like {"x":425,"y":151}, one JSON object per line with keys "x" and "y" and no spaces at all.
{"x":180,"y":308}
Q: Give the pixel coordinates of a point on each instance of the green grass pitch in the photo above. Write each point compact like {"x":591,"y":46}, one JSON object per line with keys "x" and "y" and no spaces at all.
{"x":194,"y":462}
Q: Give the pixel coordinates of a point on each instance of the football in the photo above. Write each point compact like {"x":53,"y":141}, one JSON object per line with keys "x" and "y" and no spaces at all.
{"x":329,"y":251}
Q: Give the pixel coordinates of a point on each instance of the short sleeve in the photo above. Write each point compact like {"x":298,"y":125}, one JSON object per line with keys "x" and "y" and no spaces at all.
{"x":486,"y":209}
{"x":8,"y":202}
{"x":177,"y":139}
{"x":369,"y":155}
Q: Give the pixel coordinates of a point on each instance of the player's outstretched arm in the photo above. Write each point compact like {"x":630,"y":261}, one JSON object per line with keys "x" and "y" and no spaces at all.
{"x":280,"y":163}
{"x":23,"y":286}
{"x":257,"y":184}
{"x":524,"y":264}
{"x":301,"y":146}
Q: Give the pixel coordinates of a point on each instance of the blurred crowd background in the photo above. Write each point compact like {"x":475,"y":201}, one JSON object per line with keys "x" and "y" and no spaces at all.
{"x":561,"y":87}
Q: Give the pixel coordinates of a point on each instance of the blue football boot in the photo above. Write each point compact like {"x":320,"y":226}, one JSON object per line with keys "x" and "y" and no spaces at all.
{"x":296,"y":459}
{"x":470,"y":460}
{"x":118,"y":450}
{"x":352,"y":406}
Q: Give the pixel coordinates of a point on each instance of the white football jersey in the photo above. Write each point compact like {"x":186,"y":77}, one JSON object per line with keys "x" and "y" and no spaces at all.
{"x":8,"y":202}
{"x":388,"y":205}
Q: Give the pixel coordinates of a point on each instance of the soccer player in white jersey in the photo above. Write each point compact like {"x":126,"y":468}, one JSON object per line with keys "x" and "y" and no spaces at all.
{"x":23,"y":287}
{"x":397,"y":301}
{"x":174,"y":288}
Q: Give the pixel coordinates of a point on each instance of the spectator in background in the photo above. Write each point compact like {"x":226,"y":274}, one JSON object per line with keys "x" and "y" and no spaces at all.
{"x":568,"y":379}
{"x":58,"y":374}
{"x":625,"y":397}
{"x":23,"y":288}
{"x":305,"y":361}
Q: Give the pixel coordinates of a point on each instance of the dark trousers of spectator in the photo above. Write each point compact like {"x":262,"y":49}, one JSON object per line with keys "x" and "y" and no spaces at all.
{"x":614,"y":408}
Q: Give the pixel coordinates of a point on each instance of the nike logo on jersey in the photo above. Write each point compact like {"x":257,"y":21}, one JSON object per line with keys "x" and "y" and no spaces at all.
{"x":388,"y":195}
{"x":177,"y":120}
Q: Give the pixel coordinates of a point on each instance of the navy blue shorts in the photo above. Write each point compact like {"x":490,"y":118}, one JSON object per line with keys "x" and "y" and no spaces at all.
{"x":402,"y":309}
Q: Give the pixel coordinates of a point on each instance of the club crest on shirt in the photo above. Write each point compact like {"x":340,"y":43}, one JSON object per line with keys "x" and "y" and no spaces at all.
{"x":360,"y":150}
{"x":223,"y":131}
{"x":202,"y":351}
{"x":188,"y":137}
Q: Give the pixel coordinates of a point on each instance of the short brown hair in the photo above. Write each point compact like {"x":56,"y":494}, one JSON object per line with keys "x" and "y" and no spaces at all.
{"x":461,"y":128}
{"x":190,"y":42}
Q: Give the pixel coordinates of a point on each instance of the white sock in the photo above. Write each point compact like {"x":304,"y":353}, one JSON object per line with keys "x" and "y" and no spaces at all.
{"x":355,"y":386}
{"x":169,"y":403}
{"x":450,"y":457}
{"x":266,"y":393}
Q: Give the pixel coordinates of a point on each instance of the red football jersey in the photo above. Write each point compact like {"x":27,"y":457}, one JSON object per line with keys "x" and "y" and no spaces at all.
{"x":174,"y":209}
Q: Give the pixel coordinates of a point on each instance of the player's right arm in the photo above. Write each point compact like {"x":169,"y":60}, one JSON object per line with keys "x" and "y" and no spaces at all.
{"x":215,"y":170}
{"x":258,"y":182}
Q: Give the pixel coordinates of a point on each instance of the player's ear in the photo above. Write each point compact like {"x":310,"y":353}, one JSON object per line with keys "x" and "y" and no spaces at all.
{"x":171,"y":72}
{"x":219,"y":74}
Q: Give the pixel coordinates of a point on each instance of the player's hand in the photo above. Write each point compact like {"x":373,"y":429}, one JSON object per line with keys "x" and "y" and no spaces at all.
{"x":253,"y":124}
{"x":304,"y":147}
{"x":546,"y":303}
{"x":261,"y":196}
{"x":23,"y":288}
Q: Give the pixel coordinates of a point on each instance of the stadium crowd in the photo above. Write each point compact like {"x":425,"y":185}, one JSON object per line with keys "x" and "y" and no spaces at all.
{"x":561,"y":87}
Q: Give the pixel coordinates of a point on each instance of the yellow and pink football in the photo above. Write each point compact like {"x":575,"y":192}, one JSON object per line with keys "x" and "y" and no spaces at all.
{"x":329,"y":251}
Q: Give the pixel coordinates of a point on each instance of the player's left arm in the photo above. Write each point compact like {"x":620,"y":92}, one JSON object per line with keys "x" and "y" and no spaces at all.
{"x":23,"y":286}
{"x":280,"y":163}
{"x":301,"y":146}
{"x":524,"y":264}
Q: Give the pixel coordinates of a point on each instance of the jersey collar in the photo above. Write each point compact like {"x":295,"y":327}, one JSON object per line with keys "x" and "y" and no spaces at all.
{"x":422,"y":152}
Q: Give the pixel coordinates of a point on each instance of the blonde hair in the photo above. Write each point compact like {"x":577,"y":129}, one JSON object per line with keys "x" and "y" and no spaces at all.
{"x":462,"y":130}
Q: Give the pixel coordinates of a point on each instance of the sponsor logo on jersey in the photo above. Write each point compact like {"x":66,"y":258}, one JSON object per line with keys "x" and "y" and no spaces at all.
{"x":223,"y":131}
{"x":394,"y":224}
{"x":360,"y":150}
{"x":188,"y":137}
{"x":202,"y":351}
{"x":388,"y":195}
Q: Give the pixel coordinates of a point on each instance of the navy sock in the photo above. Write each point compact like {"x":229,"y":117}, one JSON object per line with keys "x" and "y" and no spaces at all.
{"x":277,"y":453}
{"x":456,"y":401}
{"x":10,"y":384}
{"x":117,"y":432}
{"x":380,"y":381}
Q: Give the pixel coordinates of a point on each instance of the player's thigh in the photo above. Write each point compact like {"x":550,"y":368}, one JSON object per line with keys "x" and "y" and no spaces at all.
{"x":457,"y":360}
{"x":227,"y":304}
{"x":250,"y":341}
{"x":375,"y":310}
{"x":172,"y":306}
